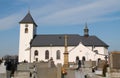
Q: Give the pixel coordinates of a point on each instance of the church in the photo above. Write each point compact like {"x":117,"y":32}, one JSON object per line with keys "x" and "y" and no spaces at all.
{"x":60,"y":47}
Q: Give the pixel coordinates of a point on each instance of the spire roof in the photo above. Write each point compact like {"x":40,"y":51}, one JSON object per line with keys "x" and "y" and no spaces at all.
{"x":28,"y":19}
{"x":86,"y":26}
{"x":86,"y":30}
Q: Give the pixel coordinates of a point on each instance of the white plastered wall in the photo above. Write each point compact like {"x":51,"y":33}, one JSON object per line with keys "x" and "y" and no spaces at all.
{"x":79,"y":50}
{"x":24,"y":42}
{"x":52,"y":53}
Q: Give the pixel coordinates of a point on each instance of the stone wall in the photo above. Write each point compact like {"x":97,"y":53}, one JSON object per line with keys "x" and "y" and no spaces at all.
{"x":24,"y":66}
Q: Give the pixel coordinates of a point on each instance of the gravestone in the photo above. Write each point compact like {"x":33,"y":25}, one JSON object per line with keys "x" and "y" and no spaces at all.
{"x":115,"y":60}
{"x":22,"y":74}
{"x":2,"y":68}
{"x":101,"y":64}
{"x":89,"y":64}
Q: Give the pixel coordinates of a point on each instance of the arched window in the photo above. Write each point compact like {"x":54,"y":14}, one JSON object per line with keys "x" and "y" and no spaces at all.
{"x":36,"y":53}
{"x":46,"y":54}
{"x":58,"y":54}
{"x":26,"y":30}
{"x":83,"y":58}
{"x":36,"y":59}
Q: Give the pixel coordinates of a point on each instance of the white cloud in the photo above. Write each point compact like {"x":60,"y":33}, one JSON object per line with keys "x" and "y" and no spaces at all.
{"x":10,"y":21}
{"x":66,"y":12}
{"x":80,"y":14}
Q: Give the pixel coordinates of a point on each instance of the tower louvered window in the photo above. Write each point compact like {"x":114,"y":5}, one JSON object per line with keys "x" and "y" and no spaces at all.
{"x":26,"y":30}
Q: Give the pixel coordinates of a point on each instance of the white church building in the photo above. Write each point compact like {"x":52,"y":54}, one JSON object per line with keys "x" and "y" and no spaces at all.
{"x":33,"y":47}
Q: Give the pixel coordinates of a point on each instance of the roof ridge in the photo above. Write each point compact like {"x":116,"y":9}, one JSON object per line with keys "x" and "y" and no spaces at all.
{"x":57,"y":34}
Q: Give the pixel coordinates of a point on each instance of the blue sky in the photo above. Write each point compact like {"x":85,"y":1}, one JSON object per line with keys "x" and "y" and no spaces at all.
{"x":60,"y":17}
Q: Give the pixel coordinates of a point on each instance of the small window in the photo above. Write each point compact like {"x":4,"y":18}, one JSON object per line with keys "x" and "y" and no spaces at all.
{"x":26,"y":30}
{"x":26,"y":25}
{"x":36,"y":53}
{"x":36,"y":59}
{"x":58,"y":54}
{"x":46,"y":54}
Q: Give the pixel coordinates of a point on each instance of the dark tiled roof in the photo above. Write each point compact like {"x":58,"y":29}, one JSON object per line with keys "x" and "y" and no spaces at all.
{"x":73,"y":40}
{"x":28,"y":19}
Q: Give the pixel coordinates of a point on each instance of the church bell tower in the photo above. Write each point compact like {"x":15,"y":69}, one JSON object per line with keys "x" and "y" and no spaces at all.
{"x":27,"y":32}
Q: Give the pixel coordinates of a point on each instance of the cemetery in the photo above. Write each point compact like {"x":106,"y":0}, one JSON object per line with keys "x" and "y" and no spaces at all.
{"x":90,"y":69}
